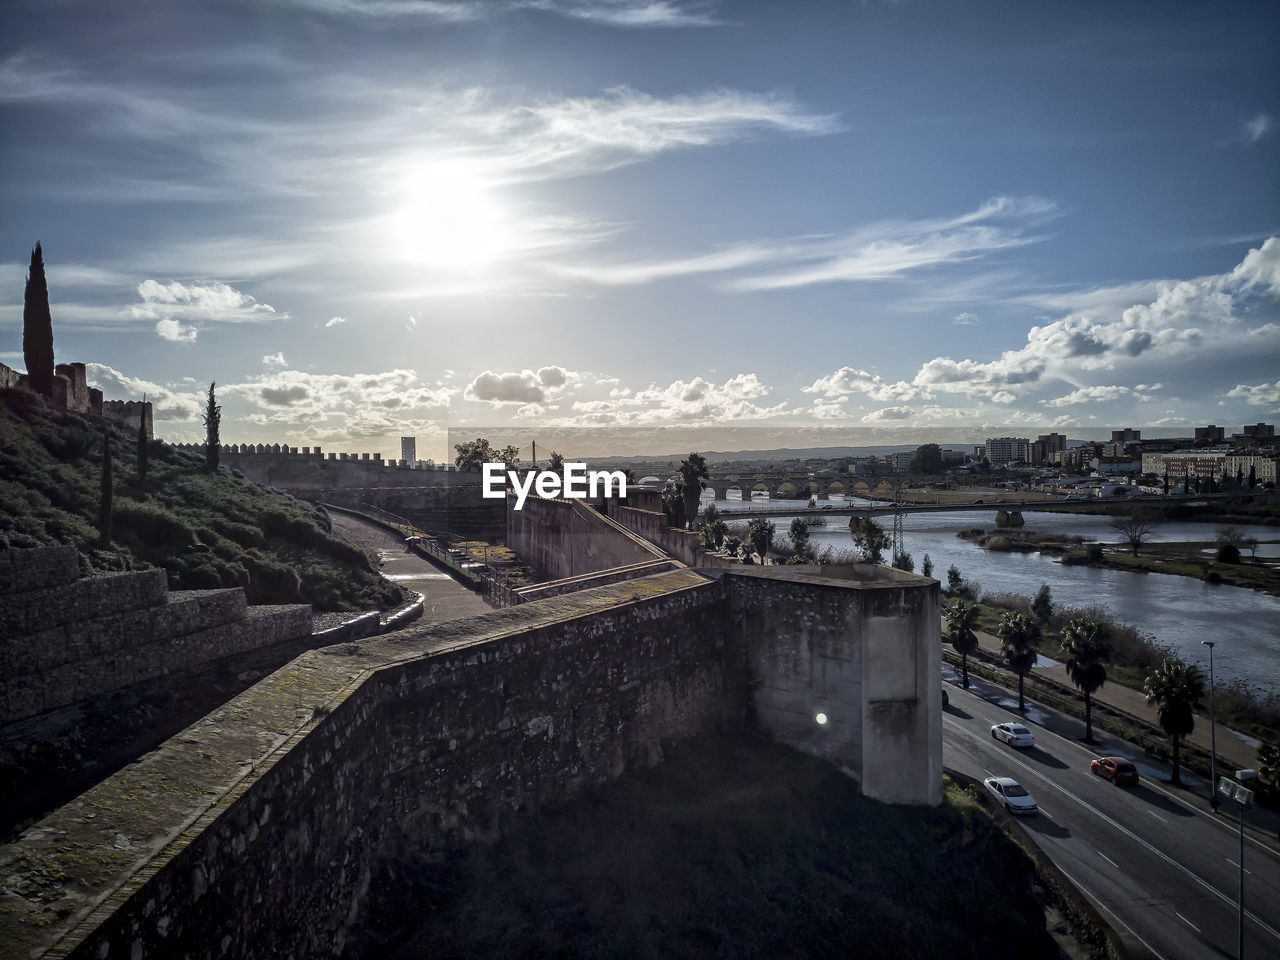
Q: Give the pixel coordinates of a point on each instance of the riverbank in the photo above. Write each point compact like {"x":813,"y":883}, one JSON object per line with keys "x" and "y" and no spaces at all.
{"x":1183,"y":559}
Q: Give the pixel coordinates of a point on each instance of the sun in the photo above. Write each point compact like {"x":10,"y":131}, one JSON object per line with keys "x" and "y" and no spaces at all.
{"x":447,"y":216}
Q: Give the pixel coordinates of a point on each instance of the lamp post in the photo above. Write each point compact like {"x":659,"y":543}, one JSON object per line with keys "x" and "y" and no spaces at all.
{"x":1213,"y":735}
{"x":1237,"y":791}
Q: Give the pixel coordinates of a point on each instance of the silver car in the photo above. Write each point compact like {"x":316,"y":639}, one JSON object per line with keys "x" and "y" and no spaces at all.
{"x":1011,"y":795}
{"x":1014,"y":734}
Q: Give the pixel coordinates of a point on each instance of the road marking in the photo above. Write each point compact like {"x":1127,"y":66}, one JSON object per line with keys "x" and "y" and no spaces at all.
{"x":1237,"y":866}
{"x":1128,"y":833}
{"x":1228,"y":826}
{"x":1133,"y":933}
{"x":1186,"y":921}
{"x":1108,"y":859}
{"x":1158,"y":817}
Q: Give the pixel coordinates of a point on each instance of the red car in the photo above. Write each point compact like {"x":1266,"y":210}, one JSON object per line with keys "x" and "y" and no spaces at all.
{"x":1116,"y":769}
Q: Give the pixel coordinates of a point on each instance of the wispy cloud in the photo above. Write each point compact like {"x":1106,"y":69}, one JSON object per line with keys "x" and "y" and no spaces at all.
{"x":880,"y":251}
{"x":615,"y":13}
{"x":1257,"y":127}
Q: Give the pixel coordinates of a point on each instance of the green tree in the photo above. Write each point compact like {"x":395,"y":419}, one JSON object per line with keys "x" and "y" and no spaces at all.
{"x":37,"y":328}
{"x":1269,"y":769}
{"x":556,"y":463}
{"x":1176,"y":688}
{"x":955,"y":583}
{"x":693,"y":470}
{"x":961,"y":618}
{"x":760,"y":533}
{"x":870,"y":538}
{"x":731,"y":545}
{"x":212,"y":421}
{"x":473,"y":454}
{"x":143,"y":452}
{"x":673,"y":502}
{"x":927,"y":460}
{"x":799,"y":534}
{"x":106,"y":494}
{"x":1018,"y":637}
{"x":1042,"y":605}
{"x":926,"y":566}
{"x":510,"y":456}
{"x":1086,"y":645}
{"x":902,"y":560}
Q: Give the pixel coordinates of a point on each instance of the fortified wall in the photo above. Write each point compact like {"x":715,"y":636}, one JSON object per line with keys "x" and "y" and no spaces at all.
{"x":446,"y":502}
{"x":64,"y":639}
{"x":255,"y":832}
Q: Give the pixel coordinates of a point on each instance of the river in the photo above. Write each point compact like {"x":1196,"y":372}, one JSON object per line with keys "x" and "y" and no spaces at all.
{"x":1176,"y":611}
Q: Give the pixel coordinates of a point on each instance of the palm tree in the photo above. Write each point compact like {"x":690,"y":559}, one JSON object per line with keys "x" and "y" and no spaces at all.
{"x":1086,"y":644}
{"x":1176,"y":689}
{"x":960,"y":617}
{"x":1018,"y":636}
{"x":693,"y":470}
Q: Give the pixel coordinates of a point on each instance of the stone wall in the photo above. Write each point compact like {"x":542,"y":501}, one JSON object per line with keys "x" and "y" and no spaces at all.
{"x":567,"y":538}
{"x":845,"y":664}
{"x":255,"y":832}
{"x":128,"y":412}
{"x":64,"y":639}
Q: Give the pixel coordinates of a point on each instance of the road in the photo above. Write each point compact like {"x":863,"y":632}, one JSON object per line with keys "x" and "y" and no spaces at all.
{"x":1164,"y":871}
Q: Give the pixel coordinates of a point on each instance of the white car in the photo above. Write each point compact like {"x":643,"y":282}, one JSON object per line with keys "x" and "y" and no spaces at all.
{"x":1011,"y":794}
{"x":1014,"y":734}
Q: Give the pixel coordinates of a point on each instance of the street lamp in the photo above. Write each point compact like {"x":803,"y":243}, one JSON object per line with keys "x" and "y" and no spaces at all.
{"x":1243,"y":798}
{"x":1213,"y":733}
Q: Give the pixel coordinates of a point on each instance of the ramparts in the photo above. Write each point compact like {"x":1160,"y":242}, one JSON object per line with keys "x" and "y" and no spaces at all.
{"x":255,"y":832}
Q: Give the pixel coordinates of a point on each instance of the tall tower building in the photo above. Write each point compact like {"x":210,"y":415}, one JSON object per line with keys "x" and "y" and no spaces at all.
{"x":409,"y":450}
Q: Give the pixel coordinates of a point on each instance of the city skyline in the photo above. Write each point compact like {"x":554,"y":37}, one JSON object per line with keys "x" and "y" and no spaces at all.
{"x":915,"y":220}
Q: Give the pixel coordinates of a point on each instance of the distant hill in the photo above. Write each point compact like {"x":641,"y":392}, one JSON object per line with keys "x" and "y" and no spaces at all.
{"x":206,"y":530}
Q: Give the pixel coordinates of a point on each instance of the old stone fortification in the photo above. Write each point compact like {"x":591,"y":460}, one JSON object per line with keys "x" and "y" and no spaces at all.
{"x":64,"y":639}
{"x":255,"y":832}
{"x":439,"y":501}
{"x":71,"y":391}
{"x":568,"y":538}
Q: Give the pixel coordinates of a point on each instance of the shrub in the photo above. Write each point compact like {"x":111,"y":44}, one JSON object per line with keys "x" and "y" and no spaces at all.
{"x":149,"y":525}
{"x":1228,"y":553}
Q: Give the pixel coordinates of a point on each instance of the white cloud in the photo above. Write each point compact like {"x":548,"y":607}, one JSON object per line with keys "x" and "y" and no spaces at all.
{"x":1262,"y":395}
{"x":179,"y":310}
{"x":166,"y":404}
{"x":824,"y":409}
{"x":1257,"y":127}
{"x":614,"y":13}
{"x":889,"y":413}
{"x":848,"y":380}
{"x":175,"y":332}
{"x":1089,"y":395}
{"x":275,"y":360}
{"x":523,"y":387}
{"x":334,"y":321}
{"x":965,"y":319}
{"x":299,"y":397}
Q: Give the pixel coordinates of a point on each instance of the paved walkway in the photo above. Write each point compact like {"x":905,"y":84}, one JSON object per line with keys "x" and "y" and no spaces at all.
{"x":443,"y":597}
{"x":1234,"y":749}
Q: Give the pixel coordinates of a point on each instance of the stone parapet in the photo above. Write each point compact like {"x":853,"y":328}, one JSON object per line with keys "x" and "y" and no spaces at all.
{"x":29,"y":569}
{"x":43,"y":608}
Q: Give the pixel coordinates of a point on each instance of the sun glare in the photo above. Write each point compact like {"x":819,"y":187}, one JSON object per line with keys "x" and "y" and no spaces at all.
{"x":448,"y":217}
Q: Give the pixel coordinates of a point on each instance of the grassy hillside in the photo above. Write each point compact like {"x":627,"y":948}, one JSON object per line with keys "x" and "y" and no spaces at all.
{"x":206,"y":530}
{"x":730,"y":849}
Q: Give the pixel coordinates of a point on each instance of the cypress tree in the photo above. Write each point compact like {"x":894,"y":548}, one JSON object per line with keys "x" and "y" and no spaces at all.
{"x":142,"y":441}
{"x":212,"y":420}
{"x":37,"y":328}
{"x":104,"y":503}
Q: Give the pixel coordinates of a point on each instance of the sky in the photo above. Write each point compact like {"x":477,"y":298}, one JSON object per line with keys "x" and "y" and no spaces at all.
{"x":661,"y":224}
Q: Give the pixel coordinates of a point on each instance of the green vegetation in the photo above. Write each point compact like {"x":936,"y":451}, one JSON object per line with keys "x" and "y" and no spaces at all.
{"x":1086,"y":647}
{"x":37,"y":328}
{"x":212,"y":421}
{"x":1176,"y":689}
{"x":473,"y":454}
{"x":961,"y":617}
{"x":1018,"y":637}
{"x":693,"y":470}
{"x":730,"y":849}
{"x":206,"y":529}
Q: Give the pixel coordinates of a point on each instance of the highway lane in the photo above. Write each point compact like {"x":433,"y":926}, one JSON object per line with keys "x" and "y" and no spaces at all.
{"x":1164,"y":870}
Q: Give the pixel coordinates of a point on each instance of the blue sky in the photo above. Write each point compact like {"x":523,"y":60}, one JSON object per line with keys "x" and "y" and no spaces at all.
{"x":895,"y":221}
